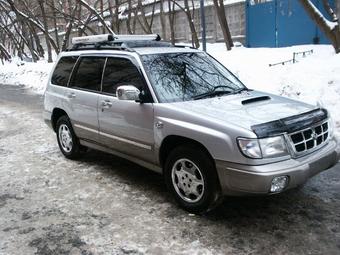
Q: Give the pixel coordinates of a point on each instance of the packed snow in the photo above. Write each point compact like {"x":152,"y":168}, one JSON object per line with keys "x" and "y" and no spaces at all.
{"x":313,"y":79}
{"x":33,"y":76}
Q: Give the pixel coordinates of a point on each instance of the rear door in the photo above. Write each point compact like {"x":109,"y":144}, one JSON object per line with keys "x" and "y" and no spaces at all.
{"x":82,"y":96}
{"x":125,"y":125}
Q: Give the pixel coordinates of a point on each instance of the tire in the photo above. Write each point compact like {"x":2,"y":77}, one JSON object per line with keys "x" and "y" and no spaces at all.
{"x":67,"y":140}
{"x":198,"y":191}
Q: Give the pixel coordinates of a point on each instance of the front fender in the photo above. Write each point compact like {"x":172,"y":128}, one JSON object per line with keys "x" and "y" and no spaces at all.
{"x":216,"y":142}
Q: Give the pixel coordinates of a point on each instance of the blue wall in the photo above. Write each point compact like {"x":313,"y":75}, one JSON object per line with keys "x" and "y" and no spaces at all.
{"x":282,"y":23}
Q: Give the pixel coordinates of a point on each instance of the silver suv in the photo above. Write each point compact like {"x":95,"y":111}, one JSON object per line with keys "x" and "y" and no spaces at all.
{"x":179,"y":112}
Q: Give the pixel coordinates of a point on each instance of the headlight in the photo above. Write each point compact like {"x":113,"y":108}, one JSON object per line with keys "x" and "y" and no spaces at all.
{"x":250,"y":147}
{"x":263,"y":148}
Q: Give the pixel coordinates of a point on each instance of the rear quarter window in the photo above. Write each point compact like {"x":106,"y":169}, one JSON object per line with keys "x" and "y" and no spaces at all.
{"x":63,"y":71}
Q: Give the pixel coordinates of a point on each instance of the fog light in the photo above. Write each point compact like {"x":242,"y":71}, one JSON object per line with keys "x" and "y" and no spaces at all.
{"x":279,"y":183}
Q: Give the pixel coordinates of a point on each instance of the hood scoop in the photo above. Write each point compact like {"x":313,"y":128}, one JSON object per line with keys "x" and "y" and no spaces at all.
{"x":255,"y":100}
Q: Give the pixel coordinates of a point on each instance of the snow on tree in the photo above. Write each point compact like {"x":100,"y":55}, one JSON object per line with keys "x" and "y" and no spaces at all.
{"x":330,"y":28}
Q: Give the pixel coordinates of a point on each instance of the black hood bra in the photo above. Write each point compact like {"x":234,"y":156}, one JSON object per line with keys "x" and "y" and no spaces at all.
{"x":290,"y":124}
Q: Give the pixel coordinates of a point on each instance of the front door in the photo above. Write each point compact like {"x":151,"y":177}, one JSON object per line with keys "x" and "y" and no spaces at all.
{"x":125,"y":125}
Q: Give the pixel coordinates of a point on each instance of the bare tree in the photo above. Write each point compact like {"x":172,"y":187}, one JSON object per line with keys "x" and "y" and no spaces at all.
{"x":171,"y":15}
{"x":329,"y":10}
{"x":162,"y":19}
{"x":32,"y":21}
{"x":102,"y":13}
{"x":219,"y":6}
{"x":114,"y":14}
{"x":46,"y":32}
{"x":96,"y":14}
{"x":54,"y":18}
{"x":330,"y":28}
{"x":69,"y":28}
{"x":146,"y":26}
{"x":186,"y":10}
{"x":4,"y":52}
{"x":16,"y":31}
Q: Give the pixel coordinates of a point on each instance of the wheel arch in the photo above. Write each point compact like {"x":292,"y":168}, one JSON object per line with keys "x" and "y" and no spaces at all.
{"x":56,"y":114}
{"x":172,"y":141}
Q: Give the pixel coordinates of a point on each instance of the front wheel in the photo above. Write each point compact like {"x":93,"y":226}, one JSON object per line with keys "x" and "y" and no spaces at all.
{"x":191,"y":177}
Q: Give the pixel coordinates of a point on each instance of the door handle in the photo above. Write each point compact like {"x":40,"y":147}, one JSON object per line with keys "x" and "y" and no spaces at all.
{"x":106,"y":104}
{"x":71,"y":95}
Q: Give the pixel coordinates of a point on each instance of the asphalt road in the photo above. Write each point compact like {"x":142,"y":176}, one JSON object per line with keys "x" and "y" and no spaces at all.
{"x":102,"y":204}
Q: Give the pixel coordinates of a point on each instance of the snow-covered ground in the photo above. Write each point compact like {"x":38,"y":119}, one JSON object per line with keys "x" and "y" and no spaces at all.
{"x":314,"y":78}
{"x":30,"y":75}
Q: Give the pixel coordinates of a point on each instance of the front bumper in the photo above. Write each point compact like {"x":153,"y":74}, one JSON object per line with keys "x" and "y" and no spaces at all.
{"x":238,"y":179}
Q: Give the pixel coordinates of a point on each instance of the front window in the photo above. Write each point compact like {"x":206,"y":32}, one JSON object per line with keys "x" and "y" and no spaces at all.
{"x":178,"y":77}
{"x":118,"y":72}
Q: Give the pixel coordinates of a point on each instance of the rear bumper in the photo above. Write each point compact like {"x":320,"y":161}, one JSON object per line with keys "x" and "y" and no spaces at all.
{"x":47,"y":116}
{"x":238,"y":179}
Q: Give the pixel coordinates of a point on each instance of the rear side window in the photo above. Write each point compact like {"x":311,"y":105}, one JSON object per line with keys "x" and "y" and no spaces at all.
{"x":63,"y":70}
{"x":118,"y":72}
{"x":89,"y":73}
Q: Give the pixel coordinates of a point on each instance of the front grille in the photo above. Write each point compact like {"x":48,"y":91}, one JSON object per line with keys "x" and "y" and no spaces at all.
{"x":309,"y":139}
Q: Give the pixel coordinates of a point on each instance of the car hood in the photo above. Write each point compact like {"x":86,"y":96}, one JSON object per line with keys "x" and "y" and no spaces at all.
{"x":245,"y":109}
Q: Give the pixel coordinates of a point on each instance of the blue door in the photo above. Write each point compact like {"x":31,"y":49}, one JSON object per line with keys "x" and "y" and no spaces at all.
{"x":261,"y":25}
{"x":281,"y":23}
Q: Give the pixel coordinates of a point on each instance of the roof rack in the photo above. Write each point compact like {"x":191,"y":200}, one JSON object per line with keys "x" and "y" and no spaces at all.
{"x":116,"y":42}
{"x":184,"y":46}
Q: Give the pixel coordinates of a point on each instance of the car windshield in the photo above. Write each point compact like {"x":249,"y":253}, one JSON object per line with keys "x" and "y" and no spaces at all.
{"x":185,"y":76}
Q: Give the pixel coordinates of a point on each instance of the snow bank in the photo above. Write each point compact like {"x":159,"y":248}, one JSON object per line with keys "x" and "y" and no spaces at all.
{"x":313,"y":79}
{"x":30,"y":75}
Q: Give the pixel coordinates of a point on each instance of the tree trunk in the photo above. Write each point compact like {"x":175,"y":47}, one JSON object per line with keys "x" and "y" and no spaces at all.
{"x":332,"y":32}
{"x":5,"y":53}
{"x":194,"y":36}
{"x":38,"y":46}
{"x":80,"y":32}
{"x":69,"y":28}
{"x":162,"y":19}
{"x":172,"y":21}
{"x":146,"y":26}
{"x":111,"y":15}
{"x":117,"y":16}
{"x":15,"y":41}
{"x":46,"y":32}
{"x":219,"y":7}
{"x":26,"y":39}
{"x":55,"y":24}
{"x":102,"y":14}
{"x":128,"y":20}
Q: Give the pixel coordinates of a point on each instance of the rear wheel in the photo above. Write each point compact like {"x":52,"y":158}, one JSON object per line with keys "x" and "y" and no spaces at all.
{"x":191,"y":177}
{"x":67,"y":139}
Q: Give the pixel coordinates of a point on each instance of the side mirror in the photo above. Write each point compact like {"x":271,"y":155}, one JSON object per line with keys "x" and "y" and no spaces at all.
{"x":127,"y":92}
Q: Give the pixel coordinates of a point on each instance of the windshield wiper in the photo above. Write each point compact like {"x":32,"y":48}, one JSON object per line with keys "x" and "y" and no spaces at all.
{"x":240,"y":90}
{"x":216,"y":92}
